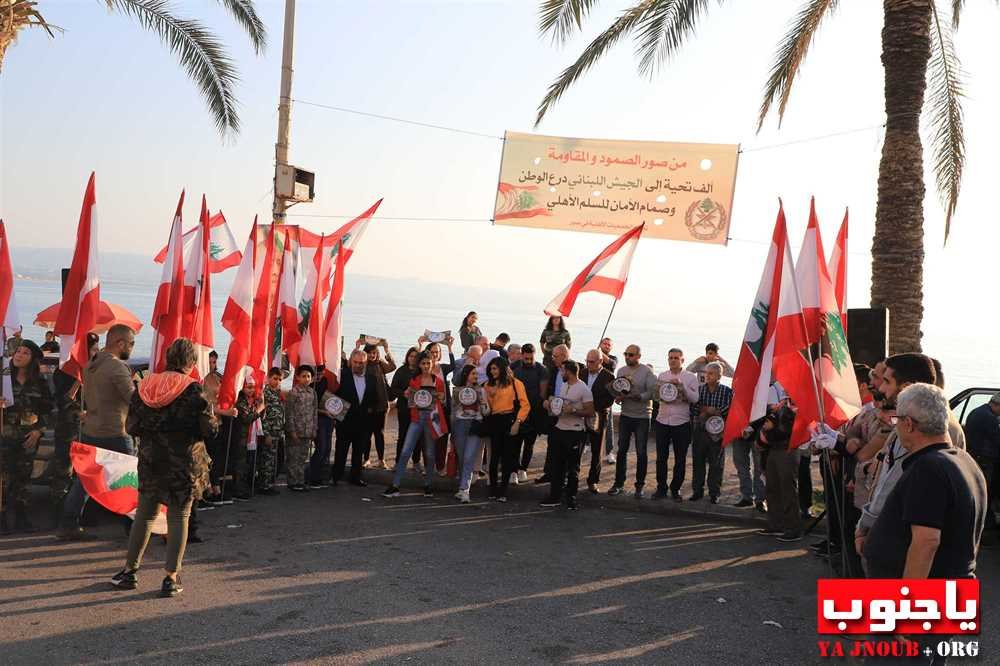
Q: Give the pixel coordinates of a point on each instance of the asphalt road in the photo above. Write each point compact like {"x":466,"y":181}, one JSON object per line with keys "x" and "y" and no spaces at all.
{"x":344,"y":576}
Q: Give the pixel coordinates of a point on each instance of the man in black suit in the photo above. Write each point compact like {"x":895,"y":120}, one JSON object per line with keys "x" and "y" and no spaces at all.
{"x":598,"y":379}
{"x":358,"y":388}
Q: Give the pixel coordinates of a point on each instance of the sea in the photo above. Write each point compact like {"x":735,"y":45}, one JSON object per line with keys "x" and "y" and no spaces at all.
{"x":400,"y":310}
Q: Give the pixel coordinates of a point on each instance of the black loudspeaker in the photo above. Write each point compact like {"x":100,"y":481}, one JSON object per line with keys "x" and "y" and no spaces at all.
{"x":868,"y":334}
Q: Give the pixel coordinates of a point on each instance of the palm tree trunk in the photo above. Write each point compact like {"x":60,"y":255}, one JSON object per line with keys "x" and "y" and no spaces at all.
{"x":898,"y":246}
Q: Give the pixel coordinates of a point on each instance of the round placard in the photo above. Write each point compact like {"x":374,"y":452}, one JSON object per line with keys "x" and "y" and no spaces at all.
{"x":555,"y":406}
{"x":468,"y":396}
{"x":715,"y":425}
{"x":423,"y":399}
{"x":622,"y":385}
{"x":668,"y":392}
{"x":334,"y":406}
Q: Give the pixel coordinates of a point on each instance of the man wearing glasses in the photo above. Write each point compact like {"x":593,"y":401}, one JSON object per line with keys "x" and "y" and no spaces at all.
{"x":636,"y":410}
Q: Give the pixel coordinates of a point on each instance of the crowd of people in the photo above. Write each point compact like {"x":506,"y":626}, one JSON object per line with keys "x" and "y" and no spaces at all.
{"x":900,"y":493}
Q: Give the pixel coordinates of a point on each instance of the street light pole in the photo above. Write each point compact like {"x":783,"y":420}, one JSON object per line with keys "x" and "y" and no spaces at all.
{"x":284,"y":108}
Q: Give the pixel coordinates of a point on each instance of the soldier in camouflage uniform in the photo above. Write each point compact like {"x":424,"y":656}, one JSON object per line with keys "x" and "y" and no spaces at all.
{"x":23,"y":424}
{"x":273,"y":422}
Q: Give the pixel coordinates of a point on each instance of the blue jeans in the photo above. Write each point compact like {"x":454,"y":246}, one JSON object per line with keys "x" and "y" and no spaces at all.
{"x":750,"y":488}
{"x":628,"y":426}
{"x":77,"y":497}
{"x":418,"y":429}
{"x":469,"y":450}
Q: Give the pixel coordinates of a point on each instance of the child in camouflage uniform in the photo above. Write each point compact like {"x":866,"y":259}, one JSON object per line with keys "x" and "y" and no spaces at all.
{"x":273,"y":422}
{"x":300,"y":426}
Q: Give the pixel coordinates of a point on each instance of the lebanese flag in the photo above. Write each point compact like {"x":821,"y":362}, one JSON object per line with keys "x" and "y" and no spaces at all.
{"x":82,"y":294}
{"x":775,"y":307}
{"x":169,"y":308}
{"x":310,"y":350}
{"x":112,"y":479}
{"x":222,"y":247}
{"x":10,"y":322}
{"x":838,"y":270}
{"x":829,"y":377}
{"x":288,"y":308}
{"x":607,"y":274}
{"x":237,"y":318}
{"x":198,"y":295}
{"x":333,"y":327}
{"x":264,"y":304}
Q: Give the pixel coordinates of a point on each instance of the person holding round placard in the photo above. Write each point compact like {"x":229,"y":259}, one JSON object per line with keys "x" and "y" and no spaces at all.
{"x":469,"y":406}
{"x":711,"y":411}
{"x":397,"y":387}
{"x":678,"y":391}
{"x":633,"y":389}
{"x":509,"y":409}
{"x":427,"y":422}
{"x":572,"y":408}
{"x":443,"y":370}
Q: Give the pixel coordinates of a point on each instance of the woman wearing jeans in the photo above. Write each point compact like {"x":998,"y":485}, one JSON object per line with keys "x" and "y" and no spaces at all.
{"x":467,"y":419}
{"x":171,"y":419}
{"x":426,"y":423}
{"x":400,"y":380}
{"x":509,"y":408}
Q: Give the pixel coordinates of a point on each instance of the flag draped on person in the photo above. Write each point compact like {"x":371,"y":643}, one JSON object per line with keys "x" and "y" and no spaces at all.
{"x":774,"y":329}
{"x":169,"y":307}
{"x":288,"y":310}
{"x":237,"y":320}
{"x":223,"y":251}
{"x":112,"y":480}
{"x":198,"y":295}
{"x":10,"y":321}
{"x":820,"y":377}
{"x":838,"y":271}
{"x":607,"y":274}
{"x":82,"y":293}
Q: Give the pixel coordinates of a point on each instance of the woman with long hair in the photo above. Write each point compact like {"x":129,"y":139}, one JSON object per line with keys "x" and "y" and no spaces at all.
{"x":468,"y":331}
{"x":554,"y":334}
{"x":171,"y":419}
{"x":24,"y":421}
{"x":427,"y":422}
{"x":509,"y":409}
{"x":443,"y":370}
{"x":467,"y":423}
{"x":400,"y":380}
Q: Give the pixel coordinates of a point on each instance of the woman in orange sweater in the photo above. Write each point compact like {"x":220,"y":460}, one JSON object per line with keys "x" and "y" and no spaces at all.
{"x":509,"y":409}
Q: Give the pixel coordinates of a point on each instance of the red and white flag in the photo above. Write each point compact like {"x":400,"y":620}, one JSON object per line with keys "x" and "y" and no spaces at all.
{"x":838,"y":270}
{"x":264,"y":305}
{"x":222,"y":247}
{"x":288,"y":305}
{"x":607,"y":274}
{"x":820,"y":378}
{"x":112,"y":480}
{"x":169,"y":308}
{"x":774,"y":329}
{"x":198,"y":295}
{"x":333,"y":327}
{"x":310,"y":350}
{"x":82,"y":294}
{"x":237,"y":319}
{"x":10,"y":321}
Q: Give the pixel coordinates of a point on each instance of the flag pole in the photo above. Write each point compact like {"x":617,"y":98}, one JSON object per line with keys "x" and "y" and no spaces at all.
{"x":613,"y":304}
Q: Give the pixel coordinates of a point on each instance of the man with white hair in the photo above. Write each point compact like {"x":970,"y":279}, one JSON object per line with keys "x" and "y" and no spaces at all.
{"x":931,"y":522}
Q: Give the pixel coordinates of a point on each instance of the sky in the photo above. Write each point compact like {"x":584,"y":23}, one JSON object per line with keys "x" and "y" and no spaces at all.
{"x":106,"y":96}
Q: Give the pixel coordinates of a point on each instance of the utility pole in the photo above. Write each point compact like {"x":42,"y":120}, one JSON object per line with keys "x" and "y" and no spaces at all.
{"x":284,"y":109}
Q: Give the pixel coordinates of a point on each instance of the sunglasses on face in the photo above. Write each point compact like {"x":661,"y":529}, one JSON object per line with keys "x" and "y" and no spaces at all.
{"x":631,"y":354}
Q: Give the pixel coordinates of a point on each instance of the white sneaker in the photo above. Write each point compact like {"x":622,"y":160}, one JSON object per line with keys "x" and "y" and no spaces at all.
{"x":458,"y":495}
{"x":610,"y":459}
{"x":463,"y":496}
{"x":522,"y":476}
{"x":513,"y":478}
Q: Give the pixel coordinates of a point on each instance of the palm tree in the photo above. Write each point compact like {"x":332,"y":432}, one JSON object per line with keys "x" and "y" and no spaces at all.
{"x":199,"y":51}
{"x":917,"y":50}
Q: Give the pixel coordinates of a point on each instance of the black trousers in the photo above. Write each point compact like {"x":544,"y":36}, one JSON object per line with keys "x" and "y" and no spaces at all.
{"x":377,"y":421}
{"x":503,"y":452}
{"x":805,"y":482}
{"x":679,"y":438}
{"x":706,"y":452}
{"x":351,"y":437}
{"x":566,"y":446}
{"x":530,"y":430}
{"x":596,"y":438}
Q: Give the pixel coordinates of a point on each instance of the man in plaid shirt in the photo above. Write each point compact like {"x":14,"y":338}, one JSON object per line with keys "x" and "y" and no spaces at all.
{"x":713,"y":400}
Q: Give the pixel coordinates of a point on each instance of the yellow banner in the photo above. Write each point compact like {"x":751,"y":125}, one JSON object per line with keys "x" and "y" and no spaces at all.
{"x":682,"y":191}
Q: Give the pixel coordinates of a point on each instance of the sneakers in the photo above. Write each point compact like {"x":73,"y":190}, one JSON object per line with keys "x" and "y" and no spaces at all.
{"x":660,"y":494}
{"x":296,"y":487}
{"x":391,"y":491}
{"x":204,"y":505}
{"x":549,"y":503}
{"x":170,"y":587}
{"x":125,"y":580}
{"x":610,"y":459}
{"x":768,"y":531}
{"x":522,"y":476}
{"x":592,"y":487}
{"x":640,"y":494}
{"x":713,"y":499}
{"x":788,"y":537}
{"x":695,"y":497}
{"x":544,"y":478}
{"x":502,"y":498}
{"x":513,"y":479}
{"x":571,"y":504}
{"x":676,"y":497}
{"x":418,"y":468}
{"x":463,"y":496}
{"x":315,"y":485}
{"x":214,"y":500}
{"x":615,"y":490}
{"x":242,"y":497}
{"x":428,"y":491}
{"x":759,"y":506}
{"x":75,"y":533}
{"x":743,"y":504}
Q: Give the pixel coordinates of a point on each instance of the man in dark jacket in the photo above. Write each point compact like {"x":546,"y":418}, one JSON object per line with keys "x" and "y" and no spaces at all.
{"x":982,"y":441}
{"x":357,"y":388}
{"x":597,"y":378}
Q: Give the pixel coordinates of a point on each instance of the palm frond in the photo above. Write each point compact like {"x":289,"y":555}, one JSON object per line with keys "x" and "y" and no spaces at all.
{"x":663,"y":30}
{"x":944,"y":109}
{"x":562,"y":17}
{"x":245,"y":14}
{"x":594,"y":51}
{"x":16,"y":15}
{"x":199,"y":51}
{"x":956,"y":11}
{"x":791,"y":52}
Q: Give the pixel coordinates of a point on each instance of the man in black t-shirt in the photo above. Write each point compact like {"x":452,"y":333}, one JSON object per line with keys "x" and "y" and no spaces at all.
{"x":932,"y":521}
